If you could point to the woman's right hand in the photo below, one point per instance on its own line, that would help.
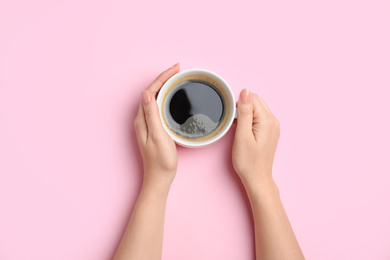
(255, 141)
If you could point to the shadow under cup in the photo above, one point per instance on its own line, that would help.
(197, 107)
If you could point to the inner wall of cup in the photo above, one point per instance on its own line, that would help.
(222, 127)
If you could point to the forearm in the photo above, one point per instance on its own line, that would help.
(274, 236)
(144, 233)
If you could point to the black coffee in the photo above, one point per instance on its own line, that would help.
(196, 108)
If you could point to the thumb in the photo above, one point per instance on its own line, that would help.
(152, 116)
(244, 113)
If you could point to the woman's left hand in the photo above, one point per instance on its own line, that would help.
(158, 150)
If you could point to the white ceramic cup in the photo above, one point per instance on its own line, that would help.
(226, 94)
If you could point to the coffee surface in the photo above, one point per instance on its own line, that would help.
(196, 108)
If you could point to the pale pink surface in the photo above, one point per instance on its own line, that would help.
(71, 73)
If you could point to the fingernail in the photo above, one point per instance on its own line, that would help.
(245, 96)
(146, 97)
(175, 65)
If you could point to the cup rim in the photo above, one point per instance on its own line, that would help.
(229, 121)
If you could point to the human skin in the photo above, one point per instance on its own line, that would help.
(144, 232)
(256, 138)
(254, 148)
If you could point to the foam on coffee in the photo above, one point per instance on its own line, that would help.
(195, 108)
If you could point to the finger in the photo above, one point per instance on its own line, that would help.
(235, 118)
(141, 130)
(262, 117)
(160, 80)
(260, 112)
(152, 115)
(265, 106)
(244, 113)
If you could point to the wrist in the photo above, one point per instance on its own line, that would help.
(153, 194)
(260, 185)
(151, 189)
(156, 184)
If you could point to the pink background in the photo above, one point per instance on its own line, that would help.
(71, 73)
